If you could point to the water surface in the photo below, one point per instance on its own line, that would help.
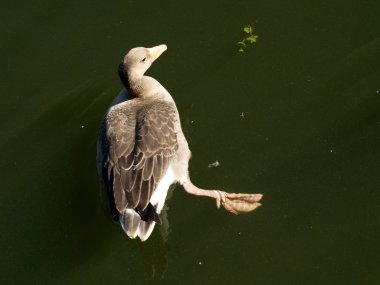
(309, 141)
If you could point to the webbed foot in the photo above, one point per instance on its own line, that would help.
(238, 203)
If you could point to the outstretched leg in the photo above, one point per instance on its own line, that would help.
(235, 203)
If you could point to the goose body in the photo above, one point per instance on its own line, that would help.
(142, 150)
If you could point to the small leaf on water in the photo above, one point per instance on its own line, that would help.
(248, 29)
(251, 39)
(241, 50)
(242, 43)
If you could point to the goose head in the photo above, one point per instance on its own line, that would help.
(136, 62)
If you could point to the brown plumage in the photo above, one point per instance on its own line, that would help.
(142, 150)
(141, 138)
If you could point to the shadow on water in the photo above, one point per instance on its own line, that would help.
(86, 210)
(65, 204)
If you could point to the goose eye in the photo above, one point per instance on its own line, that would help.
(143, 59)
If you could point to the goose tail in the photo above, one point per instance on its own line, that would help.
(136, 223)
(134, 226)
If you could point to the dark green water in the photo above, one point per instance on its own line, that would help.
(309, 141)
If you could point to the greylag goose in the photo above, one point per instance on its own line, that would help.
(142, 150)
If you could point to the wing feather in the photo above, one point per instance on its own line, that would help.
(141, 140)
(119, 193)
(148, 168)
(145, 194)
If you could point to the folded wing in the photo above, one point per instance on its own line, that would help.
(141, 141)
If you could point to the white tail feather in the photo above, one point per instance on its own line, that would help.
(131, 222)
(133, 226)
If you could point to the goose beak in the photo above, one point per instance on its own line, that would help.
(155, 52)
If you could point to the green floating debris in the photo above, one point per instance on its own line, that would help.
(250, 39)
(248, 29)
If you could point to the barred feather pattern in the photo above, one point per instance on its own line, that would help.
(141, 140)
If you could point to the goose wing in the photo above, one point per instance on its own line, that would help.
(141, 141)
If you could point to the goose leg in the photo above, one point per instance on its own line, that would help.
(232, 202)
